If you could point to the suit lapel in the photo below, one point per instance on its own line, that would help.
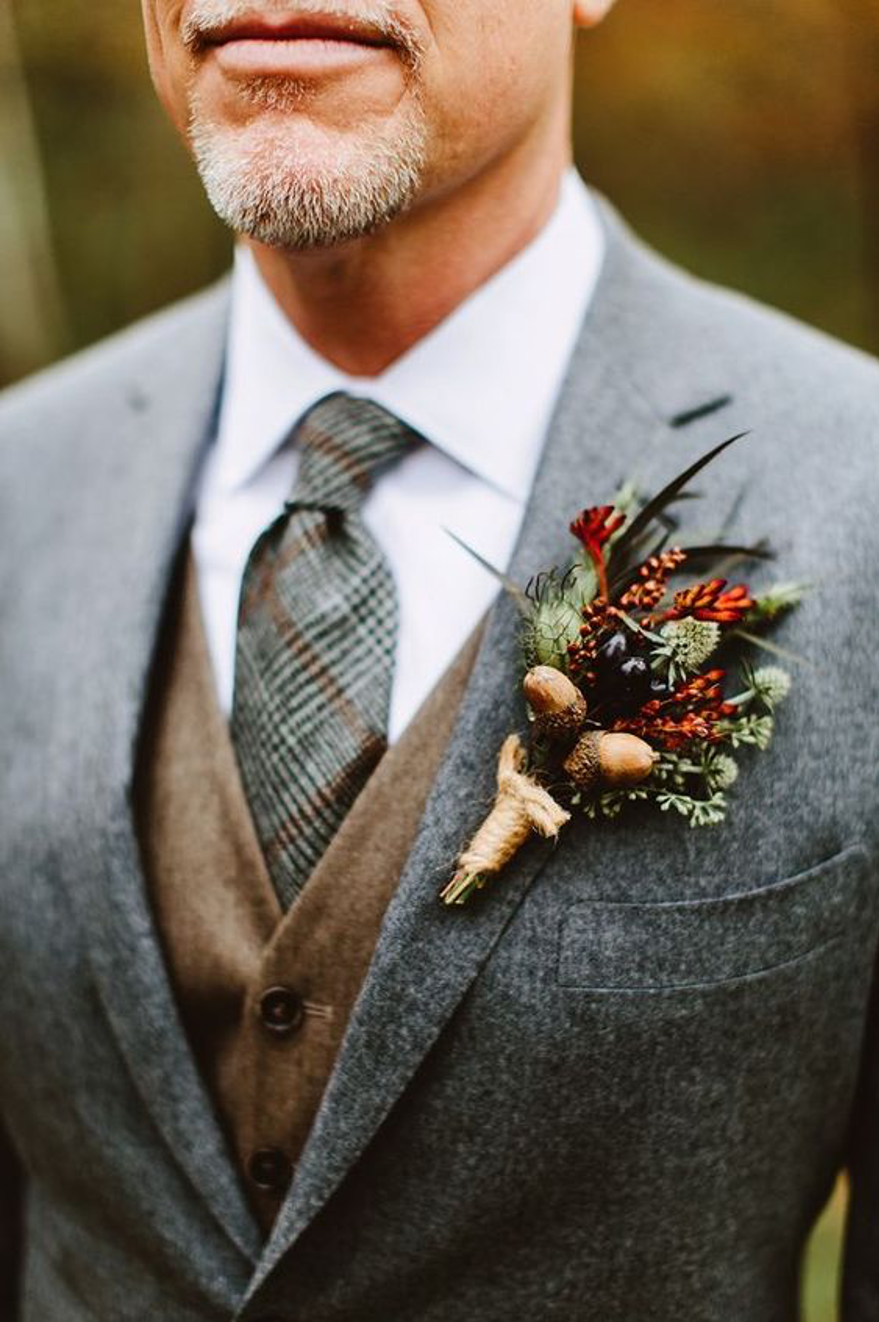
(427, 956)
(142, 450)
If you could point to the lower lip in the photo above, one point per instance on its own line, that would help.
(299, 57)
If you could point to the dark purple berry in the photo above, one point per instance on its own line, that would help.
(613, 652)
(634, 675)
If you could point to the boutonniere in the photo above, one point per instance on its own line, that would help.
(628, 696)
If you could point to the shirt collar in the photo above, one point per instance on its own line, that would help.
(481, 386)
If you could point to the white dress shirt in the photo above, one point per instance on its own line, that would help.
(480, 388)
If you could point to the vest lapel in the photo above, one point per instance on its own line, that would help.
(427, 956)
(143, 449)
(227, 942)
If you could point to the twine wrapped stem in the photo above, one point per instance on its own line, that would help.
(520, 807)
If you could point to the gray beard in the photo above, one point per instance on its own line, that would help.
(261, 187)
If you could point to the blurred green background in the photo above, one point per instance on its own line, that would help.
(740, 137)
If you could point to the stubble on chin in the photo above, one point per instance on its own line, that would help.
(282, 178)
(291, 185)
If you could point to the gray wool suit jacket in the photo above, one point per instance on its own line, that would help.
(620, 1088)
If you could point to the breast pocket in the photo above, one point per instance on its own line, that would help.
(611, 947)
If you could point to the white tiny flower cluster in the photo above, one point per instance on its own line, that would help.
(771, 684)
(691, 642)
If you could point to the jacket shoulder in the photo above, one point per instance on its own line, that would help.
(104, 426)
(125, 364)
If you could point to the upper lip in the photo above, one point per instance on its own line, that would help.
(289, 27)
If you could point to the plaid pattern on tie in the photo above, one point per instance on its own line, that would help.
(317, 628)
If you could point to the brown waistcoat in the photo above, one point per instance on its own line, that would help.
(266, 1059)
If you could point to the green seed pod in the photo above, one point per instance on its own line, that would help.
(554, 624)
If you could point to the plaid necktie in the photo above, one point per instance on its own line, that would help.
(317, 627)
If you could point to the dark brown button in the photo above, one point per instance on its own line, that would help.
(270, 1169)
(281, 1010)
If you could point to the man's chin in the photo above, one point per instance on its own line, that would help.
(300, 187)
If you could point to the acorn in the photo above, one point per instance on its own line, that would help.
(558, 705)
(625, 760)
(613, 761)
(583, 763)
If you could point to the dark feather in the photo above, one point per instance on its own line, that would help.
(627, 573)
(761, 551)
(667, 495)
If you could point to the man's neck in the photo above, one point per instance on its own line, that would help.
(363, 305)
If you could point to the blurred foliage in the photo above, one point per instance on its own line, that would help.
(741, 139)
(821, 1274)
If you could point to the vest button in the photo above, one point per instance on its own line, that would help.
(281, 1010)
(270, 1169)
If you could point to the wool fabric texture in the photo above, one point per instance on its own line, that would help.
(317, 630)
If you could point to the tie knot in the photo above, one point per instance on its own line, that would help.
(345, 443)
